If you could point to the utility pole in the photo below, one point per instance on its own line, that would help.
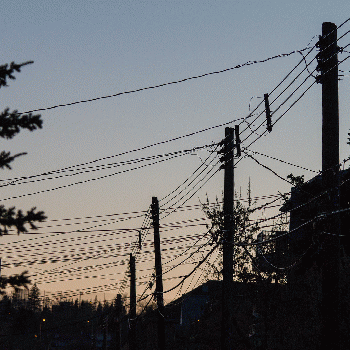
(159, 275)
(227, 259)
(328, 66)
(132, 311)
(105, 332)
(118, 316)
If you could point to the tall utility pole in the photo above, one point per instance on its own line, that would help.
(328, 66)
(227, 259)
(105, 332)
(132, 311)
(159, 275)
(118, 316)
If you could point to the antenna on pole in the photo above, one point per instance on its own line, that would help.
(249, 194)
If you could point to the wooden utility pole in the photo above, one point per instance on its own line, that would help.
(118, 316)
(159, 275)
(227, 259)
(328, 66)
(132, 311)
(105, 332)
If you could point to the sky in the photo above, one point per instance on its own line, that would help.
(83, 50)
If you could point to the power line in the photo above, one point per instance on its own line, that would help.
(278, 85)
(183, 183)
(65, 253)
(83, 256)
(192, 271)
(266, 167)
(265, 131)
(166, 84)
(203, 184)
(64, 186)
(52, 246)
(89, 180)
(79, 171)
(205, 168)
(288, 96)
(320, 216)
(196, 267)
(142, 212)
(137, 149)
(282, 161)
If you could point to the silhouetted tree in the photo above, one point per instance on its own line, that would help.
(34, 298)
(11, 123)
(244, 233)
(15, 281)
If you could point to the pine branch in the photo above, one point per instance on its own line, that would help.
(10, 218)
(14, 281)
(6, 158)
(6, 71)
(12, 122)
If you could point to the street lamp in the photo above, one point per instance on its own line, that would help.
(41, 322)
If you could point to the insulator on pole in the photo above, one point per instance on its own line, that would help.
(268, 112)
(238, 141)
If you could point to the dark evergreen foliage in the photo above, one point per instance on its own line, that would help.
(15, 281)
(6, 71)
(244, 232)
(71, 325)
(6, 158)
(34, 298)
(12, 218)
(11, 124)
(296, 181)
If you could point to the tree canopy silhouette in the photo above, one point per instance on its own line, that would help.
(243, 233)
(11, 123)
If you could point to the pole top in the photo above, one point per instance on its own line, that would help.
(329, 26)
(228, 131)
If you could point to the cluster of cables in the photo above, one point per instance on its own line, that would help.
(287, 93)
(283, 97)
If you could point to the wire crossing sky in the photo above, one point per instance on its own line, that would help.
(160, 137)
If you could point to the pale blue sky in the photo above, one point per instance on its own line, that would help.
(87, 49)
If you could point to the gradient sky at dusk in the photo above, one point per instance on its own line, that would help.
(88, 49)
